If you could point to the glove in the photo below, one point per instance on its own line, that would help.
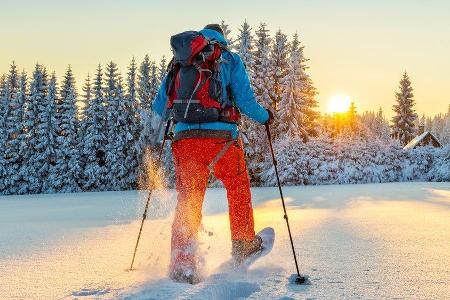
(270, 120)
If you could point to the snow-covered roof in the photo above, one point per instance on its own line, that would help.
(415, 141)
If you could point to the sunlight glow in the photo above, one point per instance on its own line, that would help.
(338, 104)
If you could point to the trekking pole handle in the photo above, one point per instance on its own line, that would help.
(168, 126)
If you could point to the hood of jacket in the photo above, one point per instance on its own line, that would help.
(214, 35)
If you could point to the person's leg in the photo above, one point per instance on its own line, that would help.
(191, 181)
(231, 169)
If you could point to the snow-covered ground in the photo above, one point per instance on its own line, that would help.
(353, 241)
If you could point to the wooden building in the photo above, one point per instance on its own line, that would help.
(425, 138)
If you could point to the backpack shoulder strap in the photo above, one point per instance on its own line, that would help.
(172, 69)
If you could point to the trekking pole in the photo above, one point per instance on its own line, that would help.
(144, 216)
(299, 279)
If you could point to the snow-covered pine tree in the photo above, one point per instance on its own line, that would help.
(445, 139)
(131, 84)
(290, 115)
(244, 47)
(162, 69)
(403, 121)
(429, 124)
(2, 84)
(117, 132)
(112, 94)
(156, 124)
(382, 129)
(355, 126)
(148, 85)
(85, 99)
(12, 117)
(3, 104)
(279, 55)
(326, 125)
(83, 103)
(352, 119)
(255, 133)
(437, 127)
(35, 119)
(155, 81)
(47, 144)
(262, 66)
(422, 120)
(279, 63)
(132, 126)
(156, 77)
(297, 114)
(12, 83)
(227, 34)
(309, 93)
(22, 98)
(145, 89)
(368, 120)
(2, 134)
(162, 72)
(67, 168)
(95, 139)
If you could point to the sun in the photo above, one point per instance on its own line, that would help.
(338, 104)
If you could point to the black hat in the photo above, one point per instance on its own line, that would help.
(215, 27)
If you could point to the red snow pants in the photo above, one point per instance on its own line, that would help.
(192, 157)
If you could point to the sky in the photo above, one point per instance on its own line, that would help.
(358, 49)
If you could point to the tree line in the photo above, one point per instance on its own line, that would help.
(54, 139)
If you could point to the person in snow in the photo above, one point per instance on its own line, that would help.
(208, 143)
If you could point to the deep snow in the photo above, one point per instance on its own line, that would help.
(354, 241)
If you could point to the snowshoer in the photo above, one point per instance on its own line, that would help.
(205, 90)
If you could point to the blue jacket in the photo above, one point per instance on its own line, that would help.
(232, 73)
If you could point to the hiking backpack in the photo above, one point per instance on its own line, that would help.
(194, 87)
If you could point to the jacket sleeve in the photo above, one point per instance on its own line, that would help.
(160, 102)
(243, 93)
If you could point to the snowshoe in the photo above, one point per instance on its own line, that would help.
(244, 255)
(182, 277)
(243, 249)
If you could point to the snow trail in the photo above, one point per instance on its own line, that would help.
(354, 241)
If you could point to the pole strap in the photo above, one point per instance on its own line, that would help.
(219, 155)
